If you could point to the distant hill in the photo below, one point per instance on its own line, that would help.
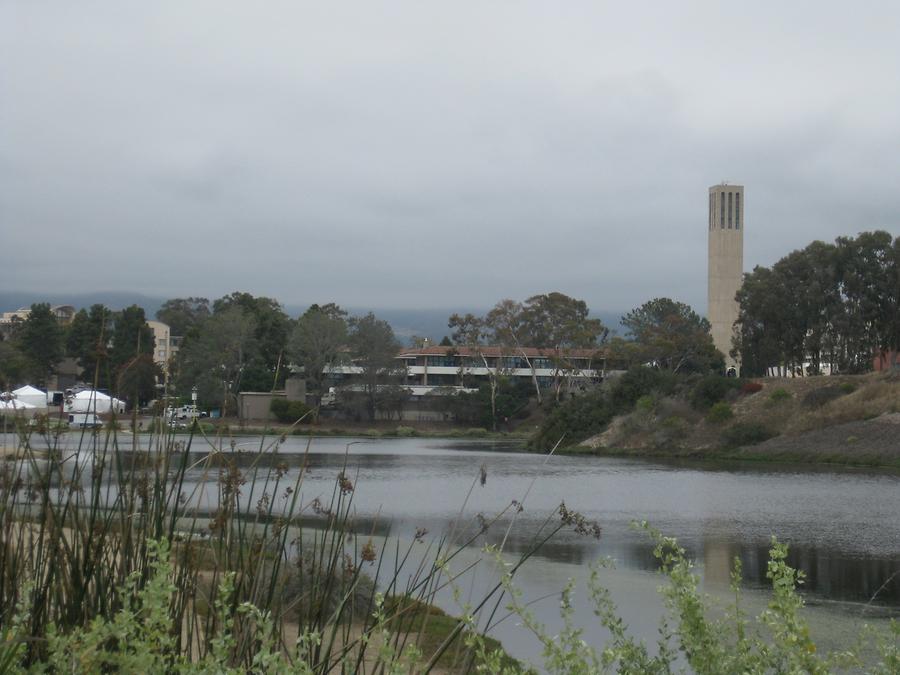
(431, 323)
(12, 300)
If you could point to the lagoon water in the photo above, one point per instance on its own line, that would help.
(843, 526)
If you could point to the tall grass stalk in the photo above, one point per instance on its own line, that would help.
(79, 513)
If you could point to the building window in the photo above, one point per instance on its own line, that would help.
(737, 210)
(730, 221)
(712, 210)
(721, 196)
(442, 361)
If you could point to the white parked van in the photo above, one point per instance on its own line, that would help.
(83, 420)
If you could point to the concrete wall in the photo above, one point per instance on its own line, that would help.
(295, 389)
(256, 405)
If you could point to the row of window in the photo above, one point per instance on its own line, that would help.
(507, 362)
(733, 213)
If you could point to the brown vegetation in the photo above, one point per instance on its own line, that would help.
(852, 419)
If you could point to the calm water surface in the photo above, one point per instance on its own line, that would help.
(843, 526)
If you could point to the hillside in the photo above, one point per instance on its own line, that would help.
(844, 419)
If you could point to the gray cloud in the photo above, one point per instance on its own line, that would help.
(421, 155)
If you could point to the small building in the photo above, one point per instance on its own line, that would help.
(257, 405)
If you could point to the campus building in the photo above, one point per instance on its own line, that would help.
(427, 368)
(726, 264)
(166, 345)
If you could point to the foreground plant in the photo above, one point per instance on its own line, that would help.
(776, 641)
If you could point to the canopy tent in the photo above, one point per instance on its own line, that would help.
(32, 395)
(16, 405)
(94, 402)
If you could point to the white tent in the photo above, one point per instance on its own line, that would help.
(94, 402)
(32, 395)
(15, 405)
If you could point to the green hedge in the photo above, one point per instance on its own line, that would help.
(288, 411)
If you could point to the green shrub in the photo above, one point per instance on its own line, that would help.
(779, 396)
(638, 382)
(746, 433)
(847, 387)
(573, 421)
(709, 390)
(645, 405)
(405, 432)
(286, 411)
(719, 413)
(670, 430)
(816, 398)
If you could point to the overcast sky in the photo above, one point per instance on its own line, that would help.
(422, 154)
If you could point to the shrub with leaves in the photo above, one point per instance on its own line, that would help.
(779, 395)
(746, 433)
(719, 413)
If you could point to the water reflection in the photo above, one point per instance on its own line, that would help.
(841, 526)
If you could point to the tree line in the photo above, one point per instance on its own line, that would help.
(114, 350)
(827, 305)
(242, 342)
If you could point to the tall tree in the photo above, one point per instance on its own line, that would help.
(374, 351)
(317, 343)
(673, 336)
(509, 326)
(473, 333)
(183, 315)
(215, 360)
(13, 365)
(835, 304)
(40, 340)
(131, 346)
(264, 370)
(87, 340)
(561, 324)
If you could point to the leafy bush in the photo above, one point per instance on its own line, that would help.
(746, 433)
(286, 411)
(847, 387)
(709, 390)
(573, 421)
(816, 398)
(779, 396)
(405, 432)
(645, 405)
(670, 430)
(475, 408)
(776, 641)
(719, 413)
(638, 382)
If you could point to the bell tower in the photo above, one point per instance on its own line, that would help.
(726, 264)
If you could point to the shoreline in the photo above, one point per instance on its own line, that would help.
(746, 455)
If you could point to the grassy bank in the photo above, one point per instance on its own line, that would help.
(846, 420)
(750, 454)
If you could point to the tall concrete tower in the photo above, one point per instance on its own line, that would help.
(726, 263)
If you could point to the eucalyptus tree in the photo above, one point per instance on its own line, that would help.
(373, 349)
(216, 359)
(264, 369)
(183, 315)
(827, 303)
(672, 336)
(561, 326)
(474, 334)
(318, 343)
(87, 341)
(40, 341)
